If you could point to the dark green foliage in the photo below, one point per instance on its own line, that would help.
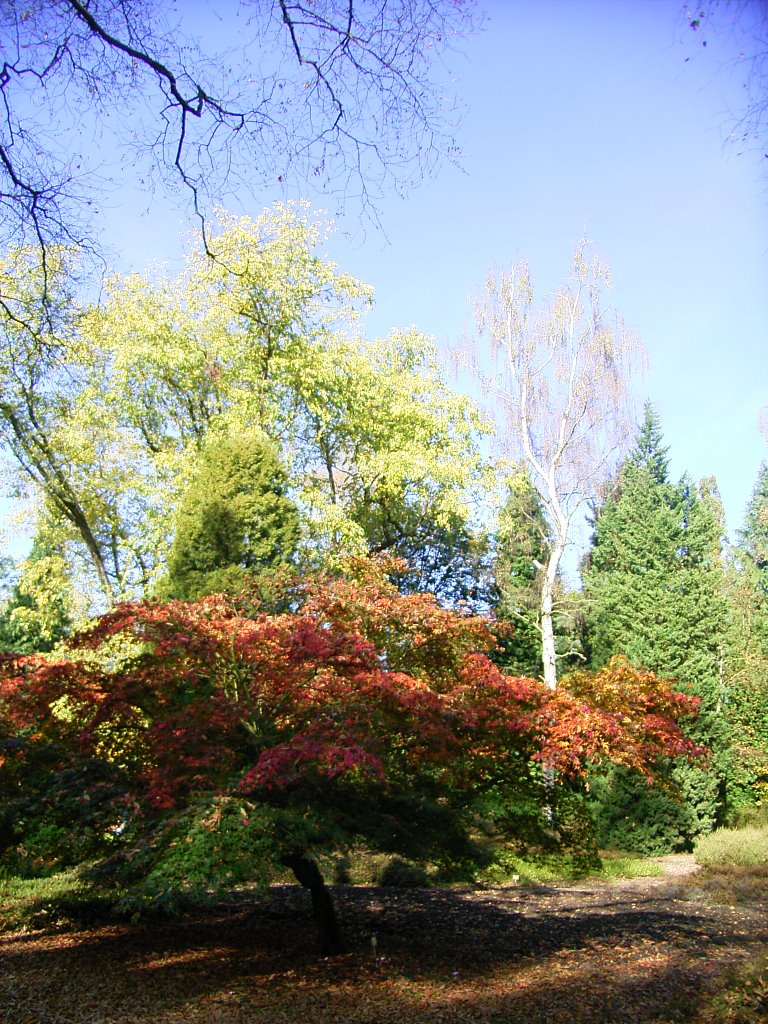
(746, 655)
(754, 536)
(234, 520)
(633, 816)
(403, 874)
(576, 830)
(654, 584)
(654, 578)
(445, 557)
(752, 561)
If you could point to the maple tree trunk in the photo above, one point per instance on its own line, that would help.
(323, 911)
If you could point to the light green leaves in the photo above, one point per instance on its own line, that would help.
(260, 333)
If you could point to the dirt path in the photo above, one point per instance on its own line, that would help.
(644, 951)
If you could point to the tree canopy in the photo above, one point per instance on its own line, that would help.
(655, 592)
(106, 409)
(559, 376)
(234, 519)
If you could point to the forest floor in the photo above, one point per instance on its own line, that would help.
(610, 952)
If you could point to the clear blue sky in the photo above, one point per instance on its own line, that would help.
(581, 117)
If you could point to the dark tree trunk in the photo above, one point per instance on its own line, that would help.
(308, 875)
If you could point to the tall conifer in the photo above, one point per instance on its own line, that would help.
(654, 582)
(747, 648)
(521, 547)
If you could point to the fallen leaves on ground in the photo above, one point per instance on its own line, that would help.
(649, 952)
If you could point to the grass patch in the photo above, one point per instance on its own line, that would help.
(546, 869)
(629, 866)
(32, 902)
(65, 900)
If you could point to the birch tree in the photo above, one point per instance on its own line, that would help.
(559, 379)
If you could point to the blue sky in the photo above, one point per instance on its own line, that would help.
(579, 117)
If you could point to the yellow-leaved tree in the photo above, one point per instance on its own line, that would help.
(109, 410)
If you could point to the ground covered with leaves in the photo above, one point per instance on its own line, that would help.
(629, 952)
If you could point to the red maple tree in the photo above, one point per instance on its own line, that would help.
(188, 740)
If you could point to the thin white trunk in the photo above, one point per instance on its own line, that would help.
(549, 656)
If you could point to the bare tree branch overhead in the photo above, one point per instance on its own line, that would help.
(339, 92)
(741, 25)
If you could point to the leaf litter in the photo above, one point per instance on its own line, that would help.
(649, 951)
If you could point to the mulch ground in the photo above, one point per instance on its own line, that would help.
(649, 950)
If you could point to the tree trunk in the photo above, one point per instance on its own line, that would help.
(549, 658)
(308, 875)
(548, 653)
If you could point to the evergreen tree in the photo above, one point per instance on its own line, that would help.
(234, 519)
(649, 453)
(521, 548)
(747, 649)
(654, 582)
(654, 575)
(753, 538)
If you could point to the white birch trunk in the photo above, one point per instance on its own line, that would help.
(549, 655)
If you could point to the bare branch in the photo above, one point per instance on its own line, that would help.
(336, 91)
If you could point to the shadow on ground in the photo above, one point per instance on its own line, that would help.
(509, 955)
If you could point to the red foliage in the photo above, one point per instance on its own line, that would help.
(361, 686)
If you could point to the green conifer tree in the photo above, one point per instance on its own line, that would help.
(234, 519)
(521, 550)
(654, 582)
(520, 553)
(649, 452)
(747, 651)
(753, 538)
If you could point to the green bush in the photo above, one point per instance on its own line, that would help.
(363, 867)
(403, 874)
(749, 816)
(632, 816)
(576, 832)
(743, 848)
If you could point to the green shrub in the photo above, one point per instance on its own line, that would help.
(576, 832)
(632, 816)
(744, 848)
(749, 816)
(403, 874)
(363, 867)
